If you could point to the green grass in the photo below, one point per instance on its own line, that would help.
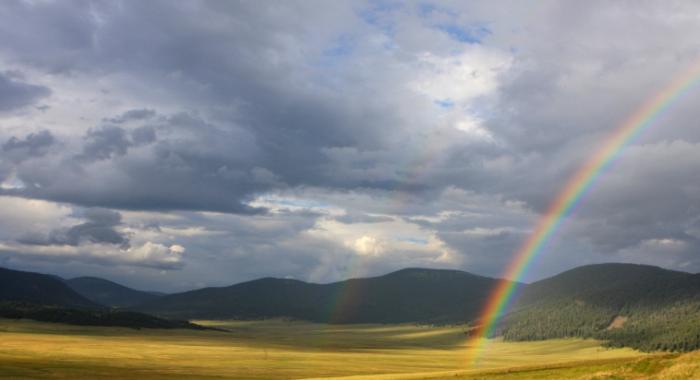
(280, 349)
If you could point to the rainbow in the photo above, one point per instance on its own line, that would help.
(567, 199)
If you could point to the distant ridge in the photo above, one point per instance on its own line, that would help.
(109, 293)
(408, 295)
(43, 297)
(612, 284)
(19, 286)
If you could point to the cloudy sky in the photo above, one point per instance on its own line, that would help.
(172, 145)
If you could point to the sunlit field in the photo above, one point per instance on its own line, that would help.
(281, 349)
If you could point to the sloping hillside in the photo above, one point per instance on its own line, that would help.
(610, 285)
(409, 295)
(653, 308)
(108, 293)
(39, 289)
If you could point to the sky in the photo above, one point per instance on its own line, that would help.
(176, 145)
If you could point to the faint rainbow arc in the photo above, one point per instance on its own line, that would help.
(567, 200)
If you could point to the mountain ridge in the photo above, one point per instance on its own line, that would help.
(406, 295)
(108, 293)
(640, 306)
(38, 288)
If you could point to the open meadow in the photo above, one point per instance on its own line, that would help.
(282, 350)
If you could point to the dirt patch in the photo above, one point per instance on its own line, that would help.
(618, 322)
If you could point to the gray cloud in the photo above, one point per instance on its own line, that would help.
(363, 218)
(104, 143)
(16, 93)
(143, 135)
(107, 141)
(131, 115)
(99, 228)
(33, 145)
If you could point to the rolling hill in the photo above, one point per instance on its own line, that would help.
(108, 293)
(611, 285)
(19, 286)
(47, 298)
(409, 295)
(641, 306)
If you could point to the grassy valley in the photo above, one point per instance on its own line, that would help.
(599, 321)
(273, 349)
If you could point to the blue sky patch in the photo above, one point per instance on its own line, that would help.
(415, 241)
(376, 15)
(470, 35)
(445, 103)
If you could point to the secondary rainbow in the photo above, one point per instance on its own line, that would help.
(567, 200)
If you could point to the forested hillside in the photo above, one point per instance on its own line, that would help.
(644, 307)
(409, 295)
(88, 317)
(108, 293)
(39, 288)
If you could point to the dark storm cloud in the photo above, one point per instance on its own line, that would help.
(280, 129)
(111, 140)
(99, 228)
(33, 145)
(15, 93)
(52, 35)
(131, 115)
(143, 135)
(104, 143)
(206, 169)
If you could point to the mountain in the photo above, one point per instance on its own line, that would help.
(108, 293)
(640, 306)
(48, 298)
(610, 285)
(38, 288)
(409, 295)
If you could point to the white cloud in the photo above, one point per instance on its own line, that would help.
(367, 245)
(149, 255)
(155, 254)
(473, 127)
(459, 79)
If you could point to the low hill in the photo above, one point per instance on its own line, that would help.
(108, 293)
(641, 306)
(409, 295)
(39, 288)
(610, 285)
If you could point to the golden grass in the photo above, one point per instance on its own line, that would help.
(281, 350)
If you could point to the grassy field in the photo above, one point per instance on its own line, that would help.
(280, 349)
